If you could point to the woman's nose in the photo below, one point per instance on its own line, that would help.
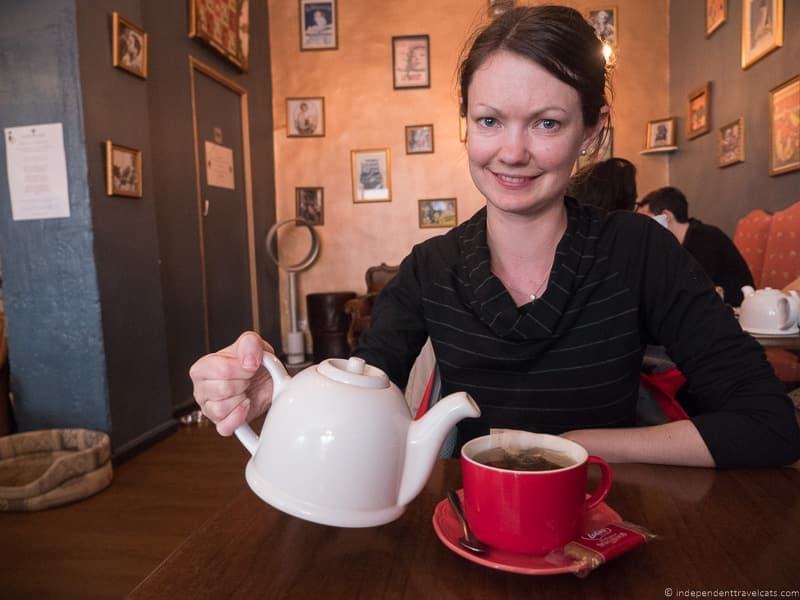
(514, 149)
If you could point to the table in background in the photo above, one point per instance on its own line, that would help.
(788, 342)
(720, 530)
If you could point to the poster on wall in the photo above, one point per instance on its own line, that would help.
(372, 178)
(784, 127)
(318, 26)
(224, 25)
(411, 61)
(762, 29)
(219, 166)
(37, 172)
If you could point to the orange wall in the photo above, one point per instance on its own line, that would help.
(363, 110)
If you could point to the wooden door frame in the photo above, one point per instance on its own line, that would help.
(197, 65)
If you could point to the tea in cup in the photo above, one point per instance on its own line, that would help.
(526, 492)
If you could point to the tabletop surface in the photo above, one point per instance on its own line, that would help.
(718, 530)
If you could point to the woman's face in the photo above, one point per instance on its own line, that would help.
(525, 131)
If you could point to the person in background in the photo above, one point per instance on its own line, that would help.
(714, 250)
(609, 184)
(540, 308)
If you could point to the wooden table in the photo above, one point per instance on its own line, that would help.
(789, 342)
(720, 530)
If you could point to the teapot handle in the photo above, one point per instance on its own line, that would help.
(280, 378)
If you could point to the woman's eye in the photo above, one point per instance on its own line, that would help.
(487, 121)
(547, 124)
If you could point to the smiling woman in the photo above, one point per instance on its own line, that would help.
(539, 308)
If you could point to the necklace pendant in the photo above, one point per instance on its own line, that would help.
(533, 297)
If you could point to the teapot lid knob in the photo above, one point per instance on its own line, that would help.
(353, 371)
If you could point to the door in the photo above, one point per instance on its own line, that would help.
(224, 200)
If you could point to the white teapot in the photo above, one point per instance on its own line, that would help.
(769, 311)
(339, 447)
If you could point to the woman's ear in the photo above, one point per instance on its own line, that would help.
(591, 134)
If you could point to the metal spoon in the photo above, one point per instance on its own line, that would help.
(469, 541)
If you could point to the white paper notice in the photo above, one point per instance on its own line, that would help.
(37, 172)
(219, 166)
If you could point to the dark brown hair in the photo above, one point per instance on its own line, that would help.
(609, 184)
(557, 38)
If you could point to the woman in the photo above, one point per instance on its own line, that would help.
(540, 308)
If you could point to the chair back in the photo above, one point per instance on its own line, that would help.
(378, 277)
(782, 254)
(751, 240)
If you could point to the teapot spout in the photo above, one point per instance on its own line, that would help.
(425, 438)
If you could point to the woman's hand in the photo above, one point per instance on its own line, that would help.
(231, 386)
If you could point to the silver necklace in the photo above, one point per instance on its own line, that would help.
(532, 295)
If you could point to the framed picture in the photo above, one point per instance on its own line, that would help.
(731, 143)
(128, 46)
(224, 25)
(310, 204)
(371, 173)
(605, 23)
(441, 212)
(318, 25)
(605, 151)
(411, 61)
(660, 135)
(419, 139)
(784, 127)
(462, 128)
(762, 29)
(305, 117)
(716, 15)
(123, 171)
(698, 116)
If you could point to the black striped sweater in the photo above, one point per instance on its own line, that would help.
(571, 359)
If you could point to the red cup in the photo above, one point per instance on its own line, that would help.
(528, 512)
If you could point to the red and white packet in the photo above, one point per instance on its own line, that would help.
(600, 545)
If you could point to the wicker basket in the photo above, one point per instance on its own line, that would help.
(47, 468)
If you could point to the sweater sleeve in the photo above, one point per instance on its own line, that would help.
(742, 412)
(397, 328)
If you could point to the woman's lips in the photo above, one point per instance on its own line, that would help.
(513, 182)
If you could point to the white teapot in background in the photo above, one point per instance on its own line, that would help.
(339, 447)
(769, 311)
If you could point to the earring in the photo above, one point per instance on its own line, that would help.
(583, 152)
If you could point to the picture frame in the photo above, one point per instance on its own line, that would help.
(371, 174)
(731, 143)
(698, 112)
(128, 46)
(305, 117)
(437, 213)
(784, 127)
(225, 26)
(716, 15)
(123, 170)
(419, 139)
(660, 135)
(762, 29)
(319, 25)
(411, 61)
(605, 22)
(605, 151)
(310, 204)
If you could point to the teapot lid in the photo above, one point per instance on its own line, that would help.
(353, 371)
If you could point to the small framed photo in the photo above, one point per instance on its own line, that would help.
(318, 25)
(604, 152)
(305, 117)
(762, 29)
(411, 61)
(660, 135)
(441, 212)
(605, 23)
(698, 115)
(224, 25)
(716, 15)
(784, 127)
(129, 46)
(310, 204)
(123, 171)
(731, 143)
(371, 173)
(419, 139)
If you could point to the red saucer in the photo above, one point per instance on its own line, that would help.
(448, 529)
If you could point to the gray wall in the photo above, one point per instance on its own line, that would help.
(50, 283)
(722, 196)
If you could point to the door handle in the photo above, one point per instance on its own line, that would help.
(205, 208)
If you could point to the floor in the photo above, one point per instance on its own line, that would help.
(103, 546)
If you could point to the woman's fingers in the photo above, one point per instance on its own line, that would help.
(237, 416)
